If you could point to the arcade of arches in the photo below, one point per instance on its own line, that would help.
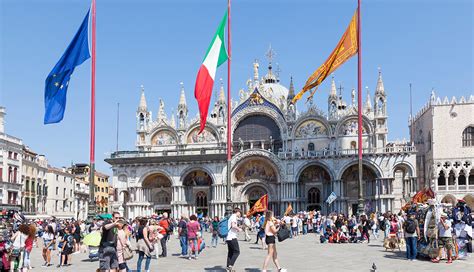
(157, 194)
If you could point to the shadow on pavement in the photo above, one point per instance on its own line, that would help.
(252, 269)
(215, 268)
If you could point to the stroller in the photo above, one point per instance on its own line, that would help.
(93, 253)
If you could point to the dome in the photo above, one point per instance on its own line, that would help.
(274, 92)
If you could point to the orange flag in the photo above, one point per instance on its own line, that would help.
(260, 206)
(288, 209)
(345, 49)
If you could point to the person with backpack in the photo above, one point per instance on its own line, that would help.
(412, 234)
(233, 250)
(183, 235)
(66, 250)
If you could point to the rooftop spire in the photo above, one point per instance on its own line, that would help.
(380, 88)
(182, 97)
(292, 88)
(221, 98)
(368, 104)
(142, 105)
(333, 92)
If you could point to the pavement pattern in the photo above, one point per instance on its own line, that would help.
(303, 253)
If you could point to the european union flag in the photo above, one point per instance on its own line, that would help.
(58, 79)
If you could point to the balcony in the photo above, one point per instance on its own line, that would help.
(179, 154)
(397, 150)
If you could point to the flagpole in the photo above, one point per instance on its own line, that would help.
(229, 113)
(360, 206)
(92, 203)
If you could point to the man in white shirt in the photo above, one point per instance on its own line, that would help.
(445, 238)
(246, 227)
(233, 250)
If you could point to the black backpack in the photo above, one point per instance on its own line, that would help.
(410, 226)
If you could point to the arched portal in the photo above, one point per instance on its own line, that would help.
(257, 131)
(350, 186)
(157, 191)
(197, 188)
(256, 168)
(313, 180)
(254, 193)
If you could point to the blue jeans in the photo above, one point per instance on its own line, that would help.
(141, 255)
(183, 242)
(214, 240)
(411, 247)
(193, 242)
(305, 229)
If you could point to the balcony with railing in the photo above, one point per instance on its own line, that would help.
(275, 147)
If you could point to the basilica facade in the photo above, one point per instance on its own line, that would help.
(297, 156)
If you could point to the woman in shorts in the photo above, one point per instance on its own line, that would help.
(48, 245)
(270, 231)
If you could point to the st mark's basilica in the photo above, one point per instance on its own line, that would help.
(297, 154)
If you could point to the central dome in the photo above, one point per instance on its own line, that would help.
(274, 92)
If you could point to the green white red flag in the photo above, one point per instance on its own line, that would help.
(215, 56)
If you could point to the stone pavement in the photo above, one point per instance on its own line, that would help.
(303, 253)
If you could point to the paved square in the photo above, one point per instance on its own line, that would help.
(300, 254)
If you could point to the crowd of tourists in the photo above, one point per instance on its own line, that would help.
(433, 230)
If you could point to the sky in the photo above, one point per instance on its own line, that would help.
(428, 43)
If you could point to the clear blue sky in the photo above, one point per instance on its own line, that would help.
(161, 43)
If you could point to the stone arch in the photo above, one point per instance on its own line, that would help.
(156, 180)
(377, 170)
(462, 177)
(321, 164)
(261, 110)
(449, 198)
(469, 198)
(189, 171)
(367, 125)
(441, 179)
(255, 168)
(279, 168)
(163, 136)
(153, 172)
(406, 166)
(210, 134)
(255, 184)
(327, 128)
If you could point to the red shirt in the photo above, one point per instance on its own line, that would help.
(165, 225)
(28, 244)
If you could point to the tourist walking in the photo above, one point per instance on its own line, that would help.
(48, 245)
(67, 247)
(270, 231)
(374, 226)
(411, 233)
(122, 243)
(18, 247)
(183, 235)
(193, 227)
(246, 226)
(233, 250)
(166, 230)
(214, 230)
(144, 246)
(108, 260)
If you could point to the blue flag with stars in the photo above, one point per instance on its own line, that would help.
(58, 79)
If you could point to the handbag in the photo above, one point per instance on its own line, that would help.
(283, 234)
(127, 251)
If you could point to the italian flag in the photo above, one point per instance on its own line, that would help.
(215, 56)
